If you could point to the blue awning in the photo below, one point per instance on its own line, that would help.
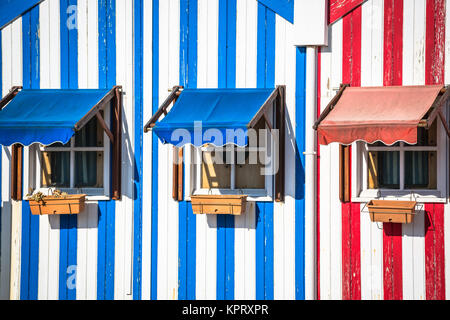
(211, 116)
(46, 116)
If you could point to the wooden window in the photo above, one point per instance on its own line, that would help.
(405, 167)
(80, 166)
(235, 170)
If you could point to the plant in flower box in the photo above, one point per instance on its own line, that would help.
(58, 203)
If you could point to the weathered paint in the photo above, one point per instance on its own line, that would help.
(393, 69)
(340, 8)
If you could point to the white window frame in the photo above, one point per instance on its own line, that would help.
(360, 156)
(193, 175)
(93, 194)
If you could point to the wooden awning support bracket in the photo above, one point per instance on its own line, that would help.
(175, 93)
(437, 107)
(444, 122)
(331, 105)
(101, 105)
(11, 94)
(105, 127)
(264, 108)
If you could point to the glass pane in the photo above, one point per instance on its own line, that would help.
(420, 170)
(248, 170)
(388, 170)
(55, 169)
(89, 169)
(90, 136)
(215, 174)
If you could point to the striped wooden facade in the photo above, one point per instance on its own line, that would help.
(382, 43)
(147, 246)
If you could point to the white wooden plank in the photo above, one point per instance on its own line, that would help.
(54, 82)
(284, 214)
(335, 204)
(83, 74)
(124, 208)
(173, 216)
(413, 241)
(279, 209)
(325, 174)
(168, 208)
(11, 212)
(289, 220)
(92, 83)
(16, 77)
(207, 73)
(163, 178)
(371, 75)
(147, 152)
(246, 52)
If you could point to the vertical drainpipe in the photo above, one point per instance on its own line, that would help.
(311, 175)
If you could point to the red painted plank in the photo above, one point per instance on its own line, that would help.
(435, 42)
(351, 226)
(393, 70)
(340, 8)
(434, 252)
(434, 223)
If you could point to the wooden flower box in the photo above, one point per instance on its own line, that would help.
(392, 211)
(224, 204)
(50, 205)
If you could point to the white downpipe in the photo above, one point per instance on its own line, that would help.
(310, 175)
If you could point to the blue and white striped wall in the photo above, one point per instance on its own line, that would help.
(148, 246)
(260, 255)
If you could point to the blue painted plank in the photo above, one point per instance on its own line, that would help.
(187, 220)
(300, 106)
(106, 245)
(107, 209)
(227, 79)
(264, 211)
(284, 8)
(30, 224)
(138, 148)
(155, 107)
(12, 9)
(69, 80)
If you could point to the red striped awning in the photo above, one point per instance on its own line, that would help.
(386, 114)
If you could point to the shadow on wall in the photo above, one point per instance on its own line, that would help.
(291, 148)
(294, 189)
(415, 229)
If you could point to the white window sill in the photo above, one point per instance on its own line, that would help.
(252, 195)
(421, 196)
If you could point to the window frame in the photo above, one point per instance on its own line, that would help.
(193, 175)
(361, 192)
(93, 194)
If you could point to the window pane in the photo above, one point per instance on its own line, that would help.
(215, 174)
(89, 169)
(388, 170)
(248, 170)
(90, 136)
(55, 169)
(420, 170)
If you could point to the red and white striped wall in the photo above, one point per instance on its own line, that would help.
(382, 42)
